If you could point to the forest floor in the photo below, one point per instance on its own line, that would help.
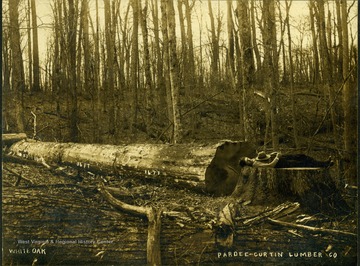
(69, 205)
(45, 205)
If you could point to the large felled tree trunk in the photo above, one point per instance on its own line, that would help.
(180, 163)
(212, 168)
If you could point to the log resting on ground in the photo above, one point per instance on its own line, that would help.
(184, 164)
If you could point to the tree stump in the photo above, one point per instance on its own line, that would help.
(314, 188)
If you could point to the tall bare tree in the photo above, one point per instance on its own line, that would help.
(215, 49)
(326, 65)
(247, 62)
(190, 69)
(30, 62)
(71, 42)
(271, 72)
(147, 66)
(349, 101)
(160, 87)
(174, 71)
(166, 60)
(134, 63)
(35, 50)
(291, 73)
(231, 38)
(17, 68)
(109, 71)
(254, 36)
(315, 50)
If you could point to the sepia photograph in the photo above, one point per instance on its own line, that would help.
(179, 132)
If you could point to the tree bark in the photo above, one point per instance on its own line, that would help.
(271, 75)
(314, 188)
(214, 49)
(71, 35)
(154, 225)
(182, 163)
(326, 65)
(134, 65)
(247, 63)
(254, 40)
(291, 73)
(109, 38)
(316, 67)
(166, 61)
(190, 69)
(160, 86)
(147, 66)
(17, 68)
(30, 63)
(35, 50)
(349, 103)
(174, 72)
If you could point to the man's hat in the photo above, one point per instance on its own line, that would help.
(262, 156)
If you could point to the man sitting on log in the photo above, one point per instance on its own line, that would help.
(277, 160)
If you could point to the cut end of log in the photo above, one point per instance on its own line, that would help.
(222, 174)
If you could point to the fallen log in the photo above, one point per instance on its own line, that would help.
(185, 164)
(10, 138)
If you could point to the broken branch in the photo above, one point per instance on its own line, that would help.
(311, 229)
(154, 227)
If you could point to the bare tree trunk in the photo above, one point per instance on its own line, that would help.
(214, 50)
(183, 50)
(147, 66)
(174, 72)
(96, 104)
(6, 73)
(231, 39)
(74, 130)
(254, 41)
(190, 69)
(30, 63)
(247, 63)
(326, 65)
(316, 69)
(164, 28)
(160, 86)
(134, 64)
(271, 67)
(293, 108)
(339, 58)
(36, 66)
(349, 103)
(17, 68)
